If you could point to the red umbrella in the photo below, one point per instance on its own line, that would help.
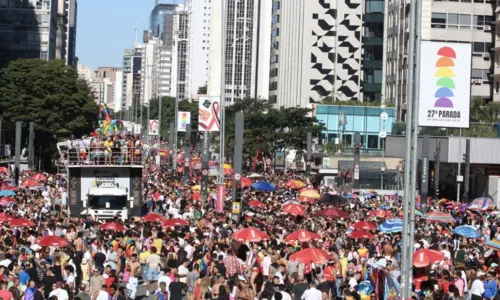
(246, 182)
(52, 241)
(250, 234)
(424, 257)
(174, 222)
(39, 177)
(364, 226)
(360, 234)
(153, 218)
(5, 203)
(112, 226)
(306, 189)
(302, 236)
(29, 183)
(8, 199)
(293, 184)
(317, 256)
(4, 170)
(21, 223)
(5, 217)
(196, 196)
(255, 203)
(306, 199)
(380, 213)
(294, 209)
(228, 171)
(332, 212)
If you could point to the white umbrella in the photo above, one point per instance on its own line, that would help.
(255, 175)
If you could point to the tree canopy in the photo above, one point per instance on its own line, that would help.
(50, 94)
(265, 125)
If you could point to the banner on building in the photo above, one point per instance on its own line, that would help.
(137, 128)
(279, 160)
(183, 118)
(445, 80)
(153, 127)
(209, 114)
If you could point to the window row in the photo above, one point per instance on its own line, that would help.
(462, 21)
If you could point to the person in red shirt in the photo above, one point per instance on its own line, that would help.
(4, 292)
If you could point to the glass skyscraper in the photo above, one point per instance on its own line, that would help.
(373, 50)
(157, 19)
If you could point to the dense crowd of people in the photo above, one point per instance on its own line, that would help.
(291, 242)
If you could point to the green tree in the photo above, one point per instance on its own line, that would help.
(50, 94)
(265, 125)
(202, 90)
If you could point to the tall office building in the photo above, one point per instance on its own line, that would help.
(66, 31)
(326, 50)
(451, 21)
(180, 54)
(247, 48)
(496, 77)
(199, 14)
(161, 15)
(27, 30)
(131, 84)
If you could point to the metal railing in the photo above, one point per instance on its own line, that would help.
(103, 156)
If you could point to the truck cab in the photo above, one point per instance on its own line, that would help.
(108, 200)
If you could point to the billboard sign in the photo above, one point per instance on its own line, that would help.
(209, 114)
(183, 118)
(153, 127)
(445, 80)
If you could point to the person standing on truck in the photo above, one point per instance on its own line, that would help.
(108, 145)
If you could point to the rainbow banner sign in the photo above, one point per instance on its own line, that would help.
(183, 118)
(445, 81)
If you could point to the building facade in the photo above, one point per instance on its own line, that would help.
(180, 54)
(450, 21)
(157, 20)
(247, 30)
(326, 50)
(28, 29)
(199, 14)
(496, 77)
(66, 31)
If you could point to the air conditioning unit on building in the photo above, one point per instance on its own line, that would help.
(476, 81)
(486, 56)
(487, 28)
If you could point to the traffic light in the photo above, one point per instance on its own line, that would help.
(466, 157)
(239, 195)
(356, 146)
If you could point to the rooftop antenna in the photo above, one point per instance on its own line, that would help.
(156, 3)
(136, 25)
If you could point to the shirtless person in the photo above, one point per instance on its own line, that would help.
(78, 242)
(135, 271)
(244, 290)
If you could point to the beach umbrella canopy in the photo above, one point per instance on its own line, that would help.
(310, 194)
(360, 234)
(295, 184)
(328, 199)
(112, 226)
(467, 231)
(302, 236)
(391, 226)
(332, 212)
(363, 225)
(306, 199)
(294, 209)
(250, 234)
(424, 257)
(9, 188)
(7, 193)
(151, 217)
(21, 223)
(255, 203)
(30, 183)
(4, 217)
(52, 241)
(39, 177)
(380, 213)
(317, 256)
(255, 175)
(437, 216)
(264, 186)
(174, 222)
(246, 182)
(4, 170)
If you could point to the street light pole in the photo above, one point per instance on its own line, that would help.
(222, 93)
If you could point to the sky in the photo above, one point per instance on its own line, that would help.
(107, 27)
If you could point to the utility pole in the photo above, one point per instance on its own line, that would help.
(465, 198)
(309, 153)
(437, 159)
(204, 165)
(17, 153)
(171, 147)
(237, 163)
(424, 173)
(31, 147)
(357, 146)
(187, 153)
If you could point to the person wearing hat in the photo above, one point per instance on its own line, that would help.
(477, 288)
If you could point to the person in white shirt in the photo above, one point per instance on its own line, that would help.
(59, 292)
(477, 287)
(165, 278)
(279, 274)
(312, 293)
(183, 271)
